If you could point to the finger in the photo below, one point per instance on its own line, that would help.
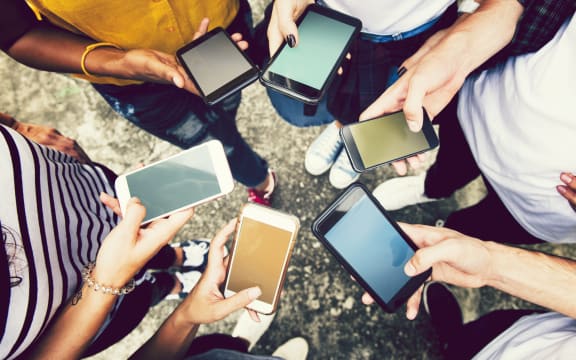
(202, 28)
(286, 14)
(414, 102)
(238, 301)
(425, 258)
(414, 162)
(413, 304)
(423, 235)
(135, 213)
(367, 299)
(254, 315)
(390, 101)
(568, 179)
(400, 167)
(111, 202)
(216, 252)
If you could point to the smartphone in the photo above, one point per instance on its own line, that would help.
(260, 254)
(305, 71)
(192, 177)
(217, 66)
(385, 139)
(369, 245)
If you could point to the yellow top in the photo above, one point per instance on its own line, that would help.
(163, 25)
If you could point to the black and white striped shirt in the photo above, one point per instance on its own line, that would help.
(49, 203)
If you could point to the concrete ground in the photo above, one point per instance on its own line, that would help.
(319, 302)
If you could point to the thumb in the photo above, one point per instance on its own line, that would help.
(427, 257)
(237, 301)
(135, 213)
(386, 103)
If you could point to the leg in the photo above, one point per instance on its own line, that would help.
(454, 166)
(497, 224)
(475, 335)
(182, 119)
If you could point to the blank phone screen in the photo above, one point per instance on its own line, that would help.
(259, 256)
(215, 62)
(386, 139)
(175, 183)
(371, 245)
(322, 40)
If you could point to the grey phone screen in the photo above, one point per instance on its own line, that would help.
(322, 40)
(371, 245)
(215, 62)
(175, 183)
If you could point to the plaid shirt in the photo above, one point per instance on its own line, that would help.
(539, 23)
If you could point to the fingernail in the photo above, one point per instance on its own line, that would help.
(411, 314)
(254, 292)
(401, 71)
(291, 40)
(135, 200)
(409, 269)
(567, 178)
(413, 125)
(561, 189)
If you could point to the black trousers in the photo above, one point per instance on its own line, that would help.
(454, 168)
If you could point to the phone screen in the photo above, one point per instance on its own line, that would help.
(387, 138)
(364, 237)
(215, 62)
(322, 40)
(259, 257)
(182, 180)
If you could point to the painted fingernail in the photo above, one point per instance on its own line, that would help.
(567, 178)
(291, 40)
(401, 71)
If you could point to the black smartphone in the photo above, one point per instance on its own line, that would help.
(304, 72)
(370, 246)
(385, 139)
(217, 66)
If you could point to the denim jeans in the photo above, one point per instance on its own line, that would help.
(183, 119)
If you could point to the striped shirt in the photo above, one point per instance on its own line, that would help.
(49, 204)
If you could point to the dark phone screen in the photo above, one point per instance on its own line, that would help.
(387, 138)
(215, 62)
(175, 183)
(322, 40)
(370, 244)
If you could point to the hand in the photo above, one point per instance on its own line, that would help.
(568, 191)
(454, 258)
(282, 23)
(206, 304)
(128, 247)
(52, 138)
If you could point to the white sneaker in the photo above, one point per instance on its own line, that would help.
(250, 330)
(293, 349)
(404, 191)
(188, 281)
(342, 174)
(322, 153)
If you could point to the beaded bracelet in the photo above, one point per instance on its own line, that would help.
(88, 49)
(86, 276)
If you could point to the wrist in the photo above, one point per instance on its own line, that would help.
(104, 61)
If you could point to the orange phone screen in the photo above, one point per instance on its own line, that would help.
(259, 256)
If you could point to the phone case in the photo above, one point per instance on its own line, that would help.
(300, 91)
(289, 251)
(407, 290)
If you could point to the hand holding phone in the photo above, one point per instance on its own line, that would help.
(217, 66)
(260, 254)
(305, 71)
(370, 246)
(388, 138)
(192, 177)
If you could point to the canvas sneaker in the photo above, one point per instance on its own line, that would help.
(293, 349)
(403, 191)
(342, 174)
(250, 330)
(322, 153)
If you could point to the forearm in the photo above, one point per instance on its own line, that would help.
(171, 341)
(482, 34)
(542, 279)
(74, 328)
(49, 48)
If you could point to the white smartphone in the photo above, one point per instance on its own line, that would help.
(192, 177)
(260, 254)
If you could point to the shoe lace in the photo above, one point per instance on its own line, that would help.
(328, 142)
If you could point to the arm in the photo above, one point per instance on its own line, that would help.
(542, 279)
(205, 304)
(124, 251)
(47, 136)
(438, 70)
